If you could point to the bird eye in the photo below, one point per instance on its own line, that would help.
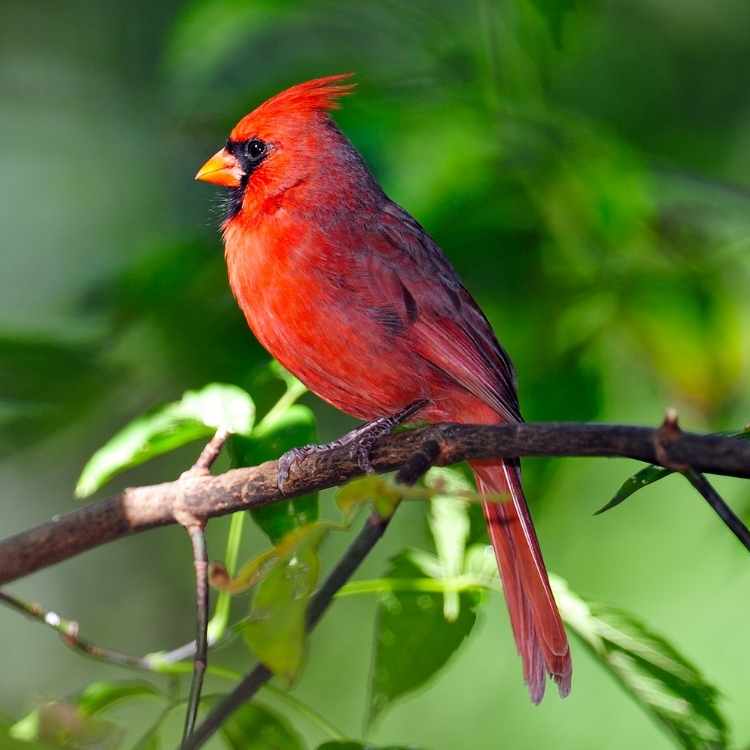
(255, 149)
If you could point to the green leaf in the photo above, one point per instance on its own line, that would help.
(255, 727)
(7, 742)
(369, 489)
(657, 676)
(150, 740)
(27, 728)
(480, 564)
(413, 640)
(449, 523)
(275, 628)
(99, 696)
(258, 568)
(638, 481)
(649, 668)
(70, 723)
(64, 725)
(270, 439)
(197, 415)
(651, 474)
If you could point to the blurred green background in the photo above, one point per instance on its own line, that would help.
(583, 164)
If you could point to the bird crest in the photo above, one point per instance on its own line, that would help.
(318, 95)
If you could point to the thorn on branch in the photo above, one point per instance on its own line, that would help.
(668, 433)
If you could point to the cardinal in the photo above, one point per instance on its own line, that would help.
(345, 289)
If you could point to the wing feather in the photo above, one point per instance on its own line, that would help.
(441, 320)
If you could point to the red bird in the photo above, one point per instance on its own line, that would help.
(350, 294)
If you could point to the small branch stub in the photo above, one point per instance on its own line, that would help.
(210, 453)
(666, 435)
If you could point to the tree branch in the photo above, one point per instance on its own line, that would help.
(138, 509)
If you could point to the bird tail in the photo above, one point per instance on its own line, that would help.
(536, 623)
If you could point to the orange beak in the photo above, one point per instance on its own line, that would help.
(221, 169)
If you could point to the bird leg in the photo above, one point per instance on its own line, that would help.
(361, 439)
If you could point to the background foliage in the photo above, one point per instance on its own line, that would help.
(584, 165)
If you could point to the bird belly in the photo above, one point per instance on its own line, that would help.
(363, 375)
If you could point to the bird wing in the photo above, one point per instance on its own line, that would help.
(415, 292)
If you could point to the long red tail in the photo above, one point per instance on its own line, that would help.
(537, 627)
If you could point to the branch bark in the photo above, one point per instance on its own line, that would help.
(141, 508)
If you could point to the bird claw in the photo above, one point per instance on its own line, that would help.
(365, 437)
(362, 440)
(287, 461)
(361, 452)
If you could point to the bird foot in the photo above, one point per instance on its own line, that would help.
(361, 439)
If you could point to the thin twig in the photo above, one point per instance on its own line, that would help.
(141, 508)
(181, 653)
(69, 631)
(714, 499)
(367, 538)
(200, 660)
(195, 528)
(158, 663)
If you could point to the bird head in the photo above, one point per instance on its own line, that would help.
(278, 145)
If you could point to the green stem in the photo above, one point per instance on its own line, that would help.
(416, 585)
(220, 620)
(156, 663)
(293, 392)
